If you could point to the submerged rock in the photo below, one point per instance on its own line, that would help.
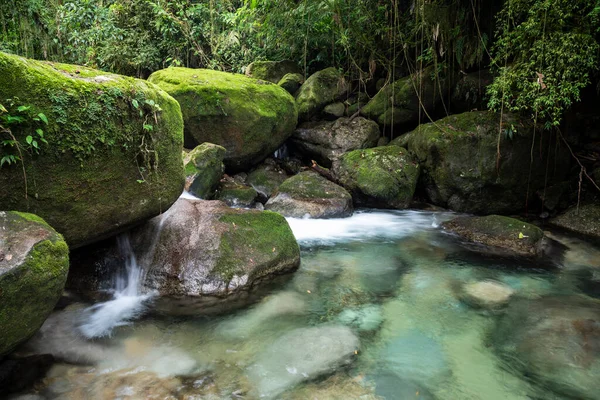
(309, 194)
(325, 141)
(203, 169)
(34, 262)
(113, 157)
(555, 341)
(366, 319)
(499, 232)
(379, 177)
(302, 355)
(250, 118)
(320, 89)
(272, 71)
(584, 220)
(461, 170)
(486, 294)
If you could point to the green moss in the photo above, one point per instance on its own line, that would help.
(204, 169)
(320, 89)
(29, 291)
(382, 176)
(236, 194)
(266, 179)
(250, 118)
(309, 185)
(84, 182)
(291, 82)
(263, 237)
(584, 220)
(271, 71)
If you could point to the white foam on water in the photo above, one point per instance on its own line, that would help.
(364, 225)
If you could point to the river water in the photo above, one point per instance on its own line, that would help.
(382, 284)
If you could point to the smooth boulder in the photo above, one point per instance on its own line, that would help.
(325, 141)
(309, 194)
(463, 170)
(383, 177)
(204, 169)
(291, 82)
(489, 295)
(503, 233)
(584, 220)
(34, 262)
(113, 153)
(320, 89)
(249, 117)
(272, 71)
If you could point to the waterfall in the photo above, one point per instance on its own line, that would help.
(281, 152)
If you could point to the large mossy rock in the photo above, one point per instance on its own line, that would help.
(505, 233)
(461, 169)
(272, 71)
(309, 194)
(201, 256)
(469, 92)
(584, 220)
(291, 82)
(236, 193)
(379, 177)
(204, 169)
(399, 103)
(320, 89)
(325, 141)
(266, 178)
(34, 262)
(555, 341)
(113, 157)
(250, 118)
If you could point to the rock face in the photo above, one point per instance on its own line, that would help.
(325, 141)
(266, 178)
(250, 118)
(310, 194)
(501, 232)
(301, 355)
(379, 177)
(585, 221)
(203, 169)
(34, 261)
(458, 157)
(397, 104)
(105, 133)
(272, 71)
(486, 294)
(320, 89)
(201, 257)
(555, 341)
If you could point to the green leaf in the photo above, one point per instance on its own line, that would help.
(29, 139)
(23, 108)
(135, 103)
(35, 144)
(2, 108)
(39, 132)
(148, 128)
(43, 118)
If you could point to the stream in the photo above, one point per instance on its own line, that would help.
(380, 287)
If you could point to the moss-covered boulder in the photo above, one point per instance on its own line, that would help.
(379, 177)
(204, 169)
(334, 111)
(250, 118)
(113, 152)
(235, 193)
(272, 71)
(584, 220)
(320, 89)
(201, 257)
(462, 169)
(469, 92)
(496, 231)
(34, 261)
(325, 141)
(399, 103)
(309, 194)
(291, 82)
(266, 178)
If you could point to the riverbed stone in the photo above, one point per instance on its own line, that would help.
(555, 341)
(113, 157)
(365, 319)
(34, 261)
(204, 169)
(301, 355)
(584, 220)
(383, 177)
(320, 89)
(249, 117)
(272, 71)
(324, 141)
(497, 231)
(489, 295)
(309, 194)
(235, 193)
(461, 170)
(266, 178)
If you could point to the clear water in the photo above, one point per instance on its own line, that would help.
(389, 276)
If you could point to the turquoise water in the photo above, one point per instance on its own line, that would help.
(374, 312)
